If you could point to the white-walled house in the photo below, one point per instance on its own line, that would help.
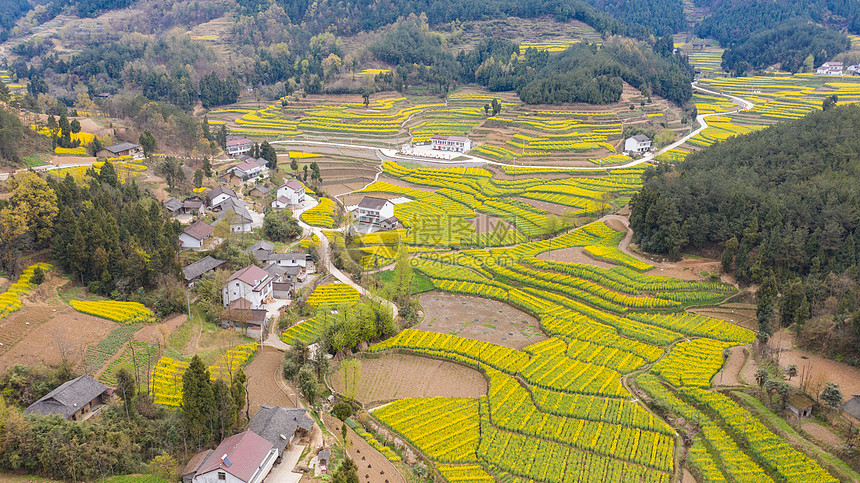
(830, 68)
(286, 259)
(192, 238)
(373, 210)
(459, 144)
(247, 288)
(291, 193)
(241, 458)
(250, 169)
(637, 144)
(236, 214)
(220, 194)
(237, 146)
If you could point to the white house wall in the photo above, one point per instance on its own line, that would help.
(189, 242)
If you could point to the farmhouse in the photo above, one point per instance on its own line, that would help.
(830, 68)
(292, 193)
(249, 169)
(192, 206)
(281, 426)
(72, 399)
(286, 259)
(173, 206)
(237, 146)
(261, 249)
(252, 283)
(459, 144)
(389, 223)
(191, 468)
(121, 149)
(219, 195)
(249, 322)
(260, 191)
(192, 238)
(236, 214)
(800, 405)
(637, 144)
(241, 458)
(373, 210)
(198, 268)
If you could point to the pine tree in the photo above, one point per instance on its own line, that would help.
(198, 408)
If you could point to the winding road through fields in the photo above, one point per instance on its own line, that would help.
(390, 154)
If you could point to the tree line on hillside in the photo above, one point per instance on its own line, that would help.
(796, 46)
(113, 236)
(363, 15)
(760, 33)
(582, 73)
(783, 206)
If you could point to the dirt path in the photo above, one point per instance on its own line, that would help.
(747, 374)
(814, 368)
(730, 375)
(822, 435)
(373, 467)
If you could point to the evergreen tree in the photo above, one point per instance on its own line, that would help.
(95, 146)
(268, 153)
(148, 143)
(198, 400)
(207, 167)
(107, 174)
(832, 395)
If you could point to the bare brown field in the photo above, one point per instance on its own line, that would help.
(553, 208)
(730, 375)
(814, 368)
(397, 376)
(487, 224)
(266, 385)
(479, 319)
(44, 334)
(373, 467)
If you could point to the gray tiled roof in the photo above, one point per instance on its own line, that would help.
(271, 422)
(69, 397)
(852, 406)
(200, 267)
(123, 146)
(173, 204)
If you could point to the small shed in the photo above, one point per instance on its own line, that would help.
(196, 462)
(800, 405)
(324, 456)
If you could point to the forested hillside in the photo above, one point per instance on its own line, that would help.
(782, 203)
(758, 33)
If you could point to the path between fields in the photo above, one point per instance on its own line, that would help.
(326, 260)
(391, 154)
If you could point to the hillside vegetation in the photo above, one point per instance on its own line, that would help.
(759, 33)
(784, 203)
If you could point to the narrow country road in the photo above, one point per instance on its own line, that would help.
(383, 154)
(326, 260)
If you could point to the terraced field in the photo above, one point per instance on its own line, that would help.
(560, 410)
